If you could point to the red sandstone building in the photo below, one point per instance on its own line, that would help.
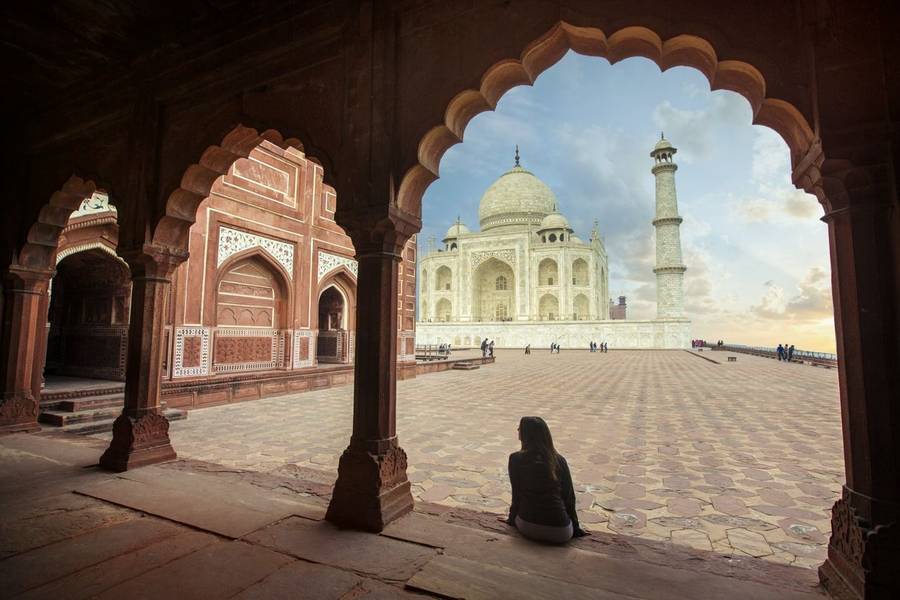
(266, 303)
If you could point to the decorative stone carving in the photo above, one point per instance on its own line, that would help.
(372, 489)
(84, 247)
(18, 413)
(862, 560)
(247, 349)
(506, 255)
(302, 354)
(182, 369)
(328, 262)
(232, 241)
(138, 441)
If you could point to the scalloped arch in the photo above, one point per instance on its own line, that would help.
(681, 50)
(42, 240)
(181, 206)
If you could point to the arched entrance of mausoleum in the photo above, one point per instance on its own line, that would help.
(494, 291)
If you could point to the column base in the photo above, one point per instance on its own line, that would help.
(138, 442)
(18, 414)
(371, 490)
(862, 561)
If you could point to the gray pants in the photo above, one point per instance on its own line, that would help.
(544, 533)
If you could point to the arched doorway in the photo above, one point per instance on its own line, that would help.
(251, 308)
(494, 292)
(443, 310)
(88, 316)
(332, 344)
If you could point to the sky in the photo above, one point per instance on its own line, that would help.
(756, 252)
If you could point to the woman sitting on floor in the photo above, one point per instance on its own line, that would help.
(543, 498)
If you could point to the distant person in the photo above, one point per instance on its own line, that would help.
(527, 348)
(780, 352)
(552, 347)
(790, 353)
(484, 347)
(491, 348)
(543, 497)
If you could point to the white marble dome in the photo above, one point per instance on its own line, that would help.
(456, 230)
(516, 198)
(554, 221)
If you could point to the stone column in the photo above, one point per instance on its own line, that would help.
(864, 549)
(141, 432)
(23, 325)
(372, 488)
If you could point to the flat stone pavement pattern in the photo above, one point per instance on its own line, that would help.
(741, 458)
(195, 530)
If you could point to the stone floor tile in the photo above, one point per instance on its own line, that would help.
(216, 571)
(749, 542)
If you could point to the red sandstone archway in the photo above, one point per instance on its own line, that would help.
(42, 241)
(172, 229)
(537, 57)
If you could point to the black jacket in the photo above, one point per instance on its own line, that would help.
(536, 497)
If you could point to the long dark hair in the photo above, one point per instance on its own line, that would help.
(537, 441)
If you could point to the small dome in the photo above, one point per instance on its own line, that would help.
(456, 230)
(663, 144)
(575, 239)
(516, 198)
(554, 221)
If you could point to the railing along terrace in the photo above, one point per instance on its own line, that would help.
(808, 356)
(432, 351)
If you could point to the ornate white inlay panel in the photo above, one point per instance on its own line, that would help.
(507, 255)
(97, 203)
(299, 363)
(232, 241)
(328, 262)
(178, 369)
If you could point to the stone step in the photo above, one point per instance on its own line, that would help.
(113, 388)
(465, 366)
(91, 402)
(62, 418)
(106, 425)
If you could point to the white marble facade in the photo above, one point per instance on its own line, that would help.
(526, 278)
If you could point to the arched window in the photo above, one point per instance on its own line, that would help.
(443, 278)
(453, 246)
(548, 272)
(552, 237)
(500, 283)
(562, 237)
(544, 238)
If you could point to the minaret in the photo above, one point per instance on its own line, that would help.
(669, 267)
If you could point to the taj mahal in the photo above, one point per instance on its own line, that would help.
(526, 278)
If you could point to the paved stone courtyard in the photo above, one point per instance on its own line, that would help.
(740, 458)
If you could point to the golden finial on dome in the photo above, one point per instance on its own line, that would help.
(517, 155)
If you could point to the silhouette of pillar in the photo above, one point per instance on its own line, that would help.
(372, 488)
(864, 549)
(23, 323)
(141, 432)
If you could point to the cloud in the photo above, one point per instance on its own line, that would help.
(698, 128)
(775, 198)
(811, 303)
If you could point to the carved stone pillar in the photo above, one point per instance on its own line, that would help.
(864, 230)
(372, 488)
(23, 325)
(141, 433)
